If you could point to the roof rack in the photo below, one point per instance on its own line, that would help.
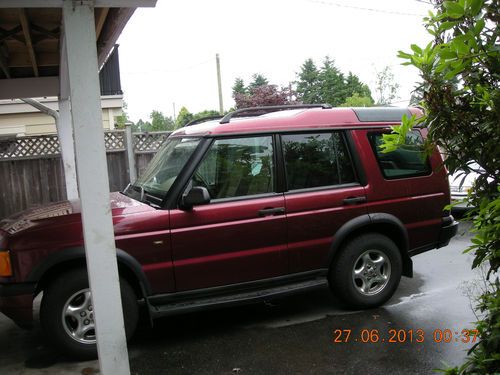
(272, 108)
(202, 119)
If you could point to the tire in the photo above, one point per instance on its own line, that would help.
(367, 271)
(71, 290)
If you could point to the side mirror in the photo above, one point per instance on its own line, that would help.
(196, 196)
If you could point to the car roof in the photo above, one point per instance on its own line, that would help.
(302, 119)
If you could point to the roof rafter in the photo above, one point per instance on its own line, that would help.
(27, 36)
(54, 34)
(99, 20)
(6, 34)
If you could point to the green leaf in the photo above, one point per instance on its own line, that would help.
(474, 6)
(454, 9)
(479, 26)
(404, 55)
(447, 54)
(447, 25)
(416, 49)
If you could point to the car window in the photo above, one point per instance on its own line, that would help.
(407, 161)
(237, 167)
(168, 162)
(316, 160)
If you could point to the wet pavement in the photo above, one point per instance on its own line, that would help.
(295, 335)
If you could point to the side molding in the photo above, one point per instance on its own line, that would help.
(78, 253)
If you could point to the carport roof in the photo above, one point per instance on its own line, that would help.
(30, 41)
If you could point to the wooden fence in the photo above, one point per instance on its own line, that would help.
(31, 170)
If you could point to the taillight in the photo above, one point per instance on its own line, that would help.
(5, 266)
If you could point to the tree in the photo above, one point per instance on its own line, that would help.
(141, 126)
(260, 93)
(207, 113)
(308, 84)
(329, 85)
(460, 88)
(385, 87)
(258, 81)
(355, 86)
(183, 117)
(263, 96)
(239, 86)
(357, 101)
(332, 85)
(122, 119)
(159, 122)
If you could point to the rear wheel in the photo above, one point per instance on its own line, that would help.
(67, 314)
(367, 271)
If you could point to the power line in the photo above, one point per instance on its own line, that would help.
(365, 9)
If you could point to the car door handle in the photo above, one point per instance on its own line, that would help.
(354, 200)
(272, 211)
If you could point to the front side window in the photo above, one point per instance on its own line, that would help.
(409, 160)
(237, 167)
(316, 160)
(162, 171)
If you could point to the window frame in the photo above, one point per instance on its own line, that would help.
(371, 140)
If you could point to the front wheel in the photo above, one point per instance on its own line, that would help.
(67, 316)
(367, 271)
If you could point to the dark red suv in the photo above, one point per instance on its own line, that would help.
(257, 204)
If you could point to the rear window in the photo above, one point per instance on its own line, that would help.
(409, 160)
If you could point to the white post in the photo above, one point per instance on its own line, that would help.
(65, 133)
(130, 153)
(80, 39)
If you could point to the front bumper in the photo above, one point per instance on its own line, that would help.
(449, 228)
(16, 301)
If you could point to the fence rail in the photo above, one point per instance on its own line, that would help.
(32, 173)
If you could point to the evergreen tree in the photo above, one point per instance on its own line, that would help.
(308, 85)
(258, 81)
(332, 85)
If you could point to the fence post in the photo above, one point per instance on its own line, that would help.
(130, 152)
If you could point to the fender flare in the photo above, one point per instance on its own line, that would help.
(368, 220)
(78, 253)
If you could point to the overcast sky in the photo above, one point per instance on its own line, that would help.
(167, 53)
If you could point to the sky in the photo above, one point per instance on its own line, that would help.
(167, 53)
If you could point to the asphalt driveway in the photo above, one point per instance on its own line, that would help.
(296, 335)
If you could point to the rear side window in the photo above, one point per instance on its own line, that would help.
(316, 159)
(407, 161)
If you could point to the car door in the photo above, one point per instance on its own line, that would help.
(240, 235)
(322, 194)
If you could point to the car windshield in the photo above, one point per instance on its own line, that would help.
(155, 182)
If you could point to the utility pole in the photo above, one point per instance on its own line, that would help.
(175, 116)
(219, 83)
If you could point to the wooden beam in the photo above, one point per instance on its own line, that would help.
(100, 17)
(6, 34)
(27, 36)
(60, 3)
(54, 34)
(22, 59)
(16, 88)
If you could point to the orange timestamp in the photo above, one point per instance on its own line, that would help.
(405, 336)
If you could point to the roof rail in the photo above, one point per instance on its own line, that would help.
(266, 109)
(202, 119)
